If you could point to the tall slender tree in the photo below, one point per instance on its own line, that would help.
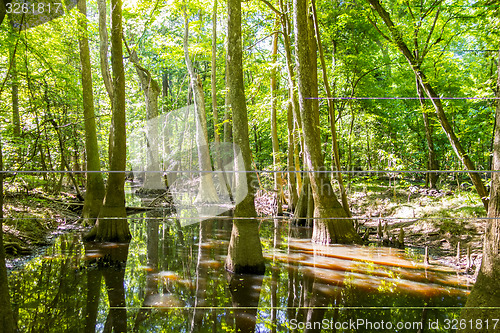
(245, 249)
(278, 183)
(207, 192)
(331, 112)
(151, 88)
(331, 222)
(6, 315)
(95, 184)
(415, 59)
(112, 223)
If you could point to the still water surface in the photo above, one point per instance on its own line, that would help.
(172, 279)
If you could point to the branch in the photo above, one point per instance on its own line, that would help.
(268, 4)
(135, 60)
(426, 45)
(377, 28)
(396, 34)
(265, 37)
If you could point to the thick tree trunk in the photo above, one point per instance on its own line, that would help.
(206, 192)
(486, 291)
(112, 223)
(245, 249)
(7, 322)
(432, 163)
(95, 184)
(278, 183)
(331, 223)
(436, 102)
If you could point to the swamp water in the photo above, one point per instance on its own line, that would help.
(172, 279)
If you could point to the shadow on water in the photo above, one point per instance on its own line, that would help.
(172, 279)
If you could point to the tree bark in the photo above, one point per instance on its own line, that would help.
(292, 182)
(103, 57)
(95, 184)
(486, 291)
(207, 192)
(16, 122)
(6, 315)
(331, 223)
(245, 249)
(219, 162)
(103, 48)
(278, 183)
(151, 88)
(331, 112)
(213, 74)
(294, 118)
(112, 223)
(436, 102)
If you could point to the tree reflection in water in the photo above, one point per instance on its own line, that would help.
(110, 262)
(174, 281)
(245, 295)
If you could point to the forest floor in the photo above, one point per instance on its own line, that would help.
(438, 219)
(32, 220)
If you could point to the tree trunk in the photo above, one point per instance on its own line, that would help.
(486, 291)
(103, 56)
(331, 112)
(213, 74)
(245, 249)
(432, 163)
(6, 316)
(302, 206)
(16, 122)
(278, 183)
(219, 164)
(294, 119)
(436, 102)
(331, 224)
(112, 225)
(2, 10)
(292, 183)
(152, 176)
(95, 184)
(206, 192)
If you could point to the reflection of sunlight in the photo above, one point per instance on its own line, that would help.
(368, 268)
(169, 274)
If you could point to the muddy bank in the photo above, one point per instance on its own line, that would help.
(33, 221)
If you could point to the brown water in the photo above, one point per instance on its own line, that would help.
(172, 279)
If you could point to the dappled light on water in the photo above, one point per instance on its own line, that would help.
(172, 278)
(370, 268)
